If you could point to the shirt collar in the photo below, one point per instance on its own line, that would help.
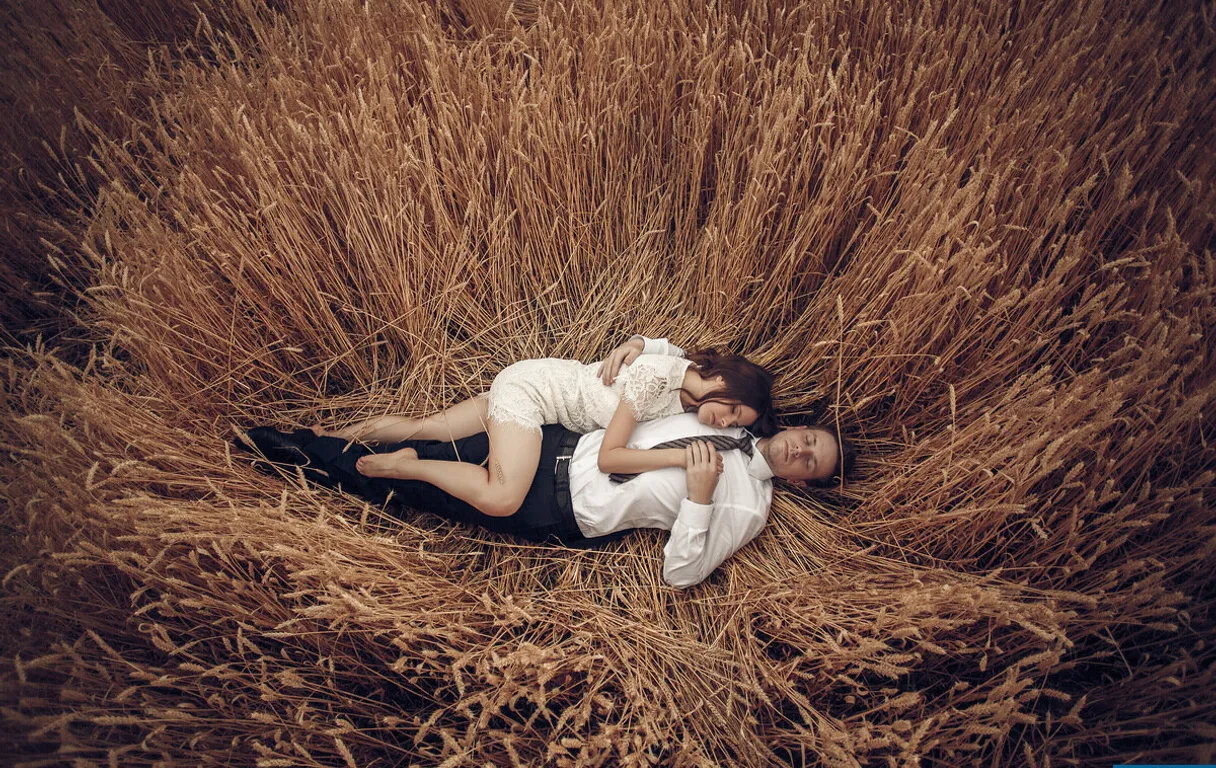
(757, 467)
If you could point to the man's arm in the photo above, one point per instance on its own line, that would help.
(705, 533)
(658, 346)
(629, 351)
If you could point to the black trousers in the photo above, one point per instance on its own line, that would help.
(546, 513)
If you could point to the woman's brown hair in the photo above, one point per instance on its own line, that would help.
(743, 382)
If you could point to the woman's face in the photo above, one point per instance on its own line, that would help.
(715, 414)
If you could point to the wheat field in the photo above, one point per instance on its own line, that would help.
(976, 237)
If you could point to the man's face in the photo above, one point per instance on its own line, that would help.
(801, 454)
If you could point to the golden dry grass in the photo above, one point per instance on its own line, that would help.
(977, 237)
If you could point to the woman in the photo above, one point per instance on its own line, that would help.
(724, 390)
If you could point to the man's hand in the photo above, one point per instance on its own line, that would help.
(702, 465)
(622, 355)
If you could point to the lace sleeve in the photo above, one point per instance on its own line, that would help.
(649, 381)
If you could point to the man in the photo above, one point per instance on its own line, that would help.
(713, 506)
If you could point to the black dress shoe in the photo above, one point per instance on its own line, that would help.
(278, 446)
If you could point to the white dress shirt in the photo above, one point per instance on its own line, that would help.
(702, 535)
(658, 346)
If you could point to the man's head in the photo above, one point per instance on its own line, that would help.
(808, 454)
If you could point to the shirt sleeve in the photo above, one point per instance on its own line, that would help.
(703, 536)
(659, 346)
(649, 380)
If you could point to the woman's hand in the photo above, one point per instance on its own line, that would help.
(622, 355)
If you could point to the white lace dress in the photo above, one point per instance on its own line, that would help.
(552, 391)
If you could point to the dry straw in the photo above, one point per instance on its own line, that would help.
(976, 237)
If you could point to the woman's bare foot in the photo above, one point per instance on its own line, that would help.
(392, 465)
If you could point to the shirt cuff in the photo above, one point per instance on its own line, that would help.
(658, 346)
(694, 516)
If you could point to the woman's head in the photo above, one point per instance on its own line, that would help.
(742, 392)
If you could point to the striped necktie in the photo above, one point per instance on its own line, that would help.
(721, 442)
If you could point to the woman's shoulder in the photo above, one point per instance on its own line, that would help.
(665, 372)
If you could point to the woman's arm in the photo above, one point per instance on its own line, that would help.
(615, 457)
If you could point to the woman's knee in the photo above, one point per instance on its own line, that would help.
(501, 500)
(511, 466)
(499, 506)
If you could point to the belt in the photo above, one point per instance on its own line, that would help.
(561, 495)
(561, 470)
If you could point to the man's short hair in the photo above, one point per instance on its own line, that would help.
(846, 457)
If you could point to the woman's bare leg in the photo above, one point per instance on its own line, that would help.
(461, 420)
(496, 489)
